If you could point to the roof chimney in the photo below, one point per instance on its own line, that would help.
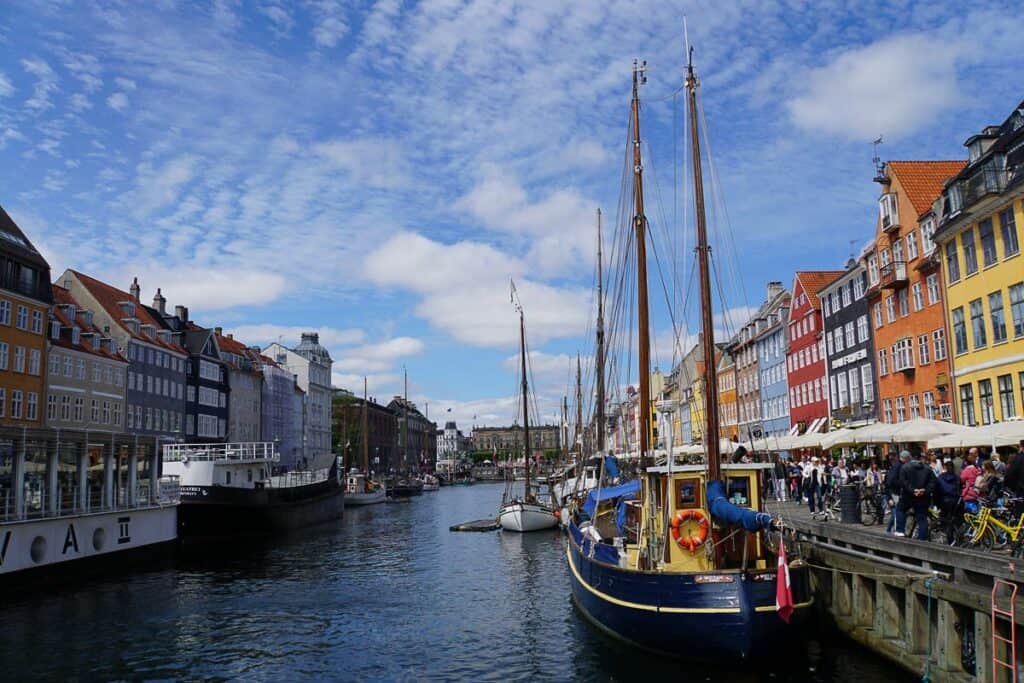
(181, 313)
(774, 289)
(219, 331)
(134, 290)
(159, 302)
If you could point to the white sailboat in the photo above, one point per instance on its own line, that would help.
(359, 489)
(528, 513)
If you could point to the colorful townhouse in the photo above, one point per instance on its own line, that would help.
(805, 357)
(849, 348)
(905, 293)
(728, 416)
(744, 349)
(25, 299)
(979, 218)
(771, 362)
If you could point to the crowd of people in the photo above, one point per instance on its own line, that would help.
(912, 481)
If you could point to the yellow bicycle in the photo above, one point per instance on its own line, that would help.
(987, 531)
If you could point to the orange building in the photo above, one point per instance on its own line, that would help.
(25, 298)
(905, 294)
(728, 405)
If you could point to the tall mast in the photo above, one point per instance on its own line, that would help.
(565, 428)
(366, 432)
(405, 418)
(599, 364)
(711, 434)
(640, 225)
(580, 434)
(526, 405)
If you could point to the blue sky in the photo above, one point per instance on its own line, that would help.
(378, 171)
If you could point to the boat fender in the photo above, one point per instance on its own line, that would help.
(693, 541)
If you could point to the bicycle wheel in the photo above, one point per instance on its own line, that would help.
(970, 538)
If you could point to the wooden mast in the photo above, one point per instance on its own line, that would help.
(711, 430)
(526, 404)
(580, 434)
(599, 364)
(565, 429)
(366, 432)
(640, 226)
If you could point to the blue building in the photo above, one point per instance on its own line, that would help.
(771, 359)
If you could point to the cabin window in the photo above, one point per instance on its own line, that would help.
(738, 491)
(687, 494)
(227, 477)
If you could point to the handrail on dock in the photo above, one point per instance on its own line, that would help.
(248, 451)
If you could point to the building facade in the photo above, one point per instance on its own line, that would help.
(905, 294)
(744, 349)
(849, 348)
(246, 384)
(311, 364)
(382, 432)
(771, 363)
(978, 239)
(805, 357)
(505, 441)
(25, 298)
(155, 396)
(417, 436)
(85, 375)
(281, 417)
(728, 414)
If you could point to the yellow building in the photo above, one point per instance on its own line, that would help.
(980, 215)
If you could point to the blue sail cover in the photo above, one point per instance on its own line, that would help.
(627, 490)
(611, 467)
(724, 511)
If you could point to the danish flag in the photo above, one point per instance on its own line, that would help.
(783, 591)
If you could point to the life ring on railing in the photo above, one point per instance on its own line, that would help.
(693, 541)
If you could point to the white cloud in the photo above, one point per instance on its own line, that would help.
(118, 101)
(379, 356)
(79, 102)
(6, 89)
(464, 289)
(45, 86)
(204, 289)
(157, 188)
(289, 335)
(893, 87)
(279, 16)
(377, 162)
(330, 26)
(125, 84)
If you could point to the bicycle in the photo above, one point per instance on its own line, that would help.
(872, 507)
(829, 505)
(987, 531)
(936, 524)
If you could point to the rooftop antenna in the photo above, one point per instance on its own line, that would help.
(877, 160)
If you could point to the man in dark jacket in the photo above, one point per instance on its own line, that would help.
(1014, 477)
(917, 485)
(947, 489)
(892, 485)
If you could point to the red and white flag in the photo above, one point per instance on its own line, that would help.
(783, 591)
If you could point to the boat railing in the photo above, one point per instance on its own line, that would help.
(39, 504)
(226, 452)
(295, 478)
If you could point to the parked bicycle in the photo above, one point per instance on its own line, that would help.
(991, 527)
(872, 506)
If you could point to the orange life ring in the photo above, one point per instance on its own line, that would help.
(693, 541)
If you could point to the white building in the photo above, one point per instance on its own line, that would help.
(311, 365)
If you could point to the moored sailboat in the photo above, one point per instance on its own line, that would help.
(526, 513)
(359, 488)
(681, 563)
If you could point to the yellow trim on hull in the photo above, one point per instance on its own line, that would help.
(771, 608)
(636, 605)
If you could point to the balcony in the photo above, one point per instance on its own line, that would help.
(893, 275)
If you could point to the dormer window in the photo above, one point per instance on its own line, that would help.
(54, 329)
(87, 318)
(76, 335)
(149, 331)
(889, 211)
(128, 307)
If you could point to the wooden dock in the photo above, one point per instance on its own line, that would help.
(914, 602)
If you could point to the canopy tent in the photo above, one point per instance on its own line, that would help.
(999, 434)
(840, 437)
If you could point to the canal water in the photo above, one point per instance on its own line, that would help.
(387, 594)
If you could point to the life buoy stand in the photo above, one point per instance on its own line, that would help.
(693, 541)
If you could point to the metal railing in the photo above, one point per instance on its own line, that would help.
(183, 452)
(299, 478)
(893, 273)
(37, 502)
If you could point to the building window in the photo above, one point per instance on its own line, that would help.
(904, 300)
(3, 401)
(889, 210)
(5, 312)
(54, 364)
(995, 309)
(911, 246)
(1016, 309)
(901, 409)
(65, 408)
(37, 322)
(844, 396)
(826, 305)
(862, 329)
(878, 314)
(106, 412)
(97, 373)
(959, 330)
(51, 407)
(847, 294)
(858, 287)
(3, 355)
(32, 406)
(80, 370)
(932, 283)
(867, 384)
(16, 404)
(952, 262)
(929, 405)
(828, 343)
(903, 354)
(978, 324)
(988, 242)
(883, 362)
(915, 406)
(887, 410)
(923, 350)
(918, 293)
(22, 322)
(839, 339)
(1006, 402)
(970, 251)
(851, 339)
(985, 398)
(19, 359)
(854, 376)
(872, 270)
(890, 308)
(967, 404)
(34, 360)
(1008, 227)
(939, 337)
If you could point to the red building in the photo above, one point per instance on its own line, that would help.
(805, 357)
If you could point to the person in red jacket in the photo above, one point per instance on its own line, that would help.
(968, 475)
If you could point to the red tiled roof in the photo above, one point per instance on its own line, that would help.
(232, 345)
(63, 296)
(923, 180)
(109, 296)
(814, 280)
